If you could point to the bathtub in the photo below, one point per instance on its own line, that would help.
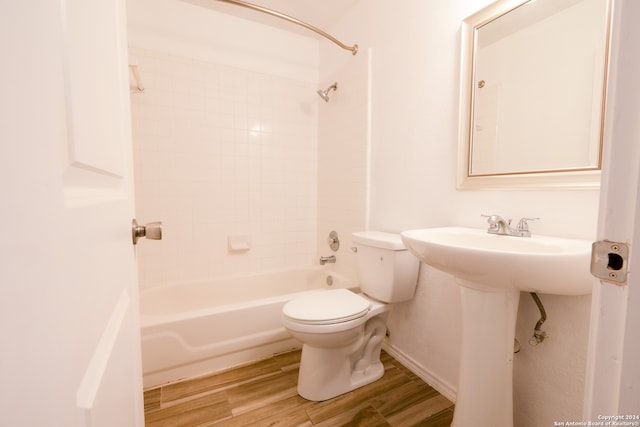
(198, 328)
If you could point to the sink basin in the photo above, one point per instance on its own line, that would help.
(493, 262)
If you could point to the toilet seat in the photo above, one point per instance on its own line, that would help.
(326, 307)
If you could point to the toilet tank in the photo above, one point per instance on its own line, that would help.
(386, 270)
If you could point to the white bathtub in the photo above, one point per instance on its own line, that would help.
(193, 329)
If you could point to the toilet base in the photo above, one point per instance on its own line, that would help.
(367, 376)
(329, 372)
(334, 381)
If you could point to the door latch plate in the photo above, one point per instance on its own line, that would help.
(609, 261)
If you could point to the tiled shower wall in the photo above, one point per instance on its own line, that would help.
(221, 152)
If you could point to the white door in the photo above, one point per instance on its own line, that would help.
(69, 334)
(613, 372)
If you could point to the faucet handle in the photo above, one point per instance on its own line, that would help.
(494, 220)
(523, 226)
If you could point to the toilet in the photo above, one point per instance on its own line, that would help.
(341, 331)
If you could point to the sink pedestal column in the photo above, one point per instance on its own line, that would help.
(485, 384)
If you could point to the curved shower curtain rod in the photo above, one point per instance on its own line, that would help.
(353, 49)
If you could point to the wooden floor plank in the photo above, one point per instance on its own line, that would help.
(262, 392)
(285, 412)
(152, 400)
(289, 360)
(192, 412)
(220, 381)
(329, 408)
(441, 419)
(400, 398)
(363, 415)
(419, 412)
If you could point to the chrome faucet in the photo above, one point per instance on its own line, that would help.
(327, 259)
(499, 225)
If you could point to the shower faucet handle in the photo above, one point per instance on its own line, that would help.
(333, 241)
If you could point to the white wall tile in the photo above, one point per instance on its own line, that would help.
(213, 159)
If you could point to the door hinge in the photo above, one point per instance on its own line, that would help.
(609, 261)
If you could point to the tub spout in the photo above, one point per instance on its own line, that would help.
(327, 259)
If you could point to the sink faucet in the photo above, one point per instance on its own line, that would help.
(499, 225)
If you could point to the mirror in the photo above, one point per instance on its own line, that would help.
(532, 94)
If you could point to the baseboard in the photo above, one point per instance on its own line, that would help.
(435, 381)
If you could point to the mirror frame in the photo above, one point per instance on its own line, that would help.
(588, 178)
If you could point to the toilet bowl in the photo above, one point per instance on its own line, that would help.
(342, 332)
(335, 359)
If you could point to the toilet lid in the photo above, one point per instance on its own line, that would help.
(327, 307)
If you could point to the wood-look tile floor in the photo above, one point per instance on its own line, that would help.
(264, 394)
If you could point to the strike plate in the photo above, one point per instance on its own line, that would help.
(609, 261)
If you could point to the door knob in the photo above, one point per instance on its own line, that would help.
(152, 230)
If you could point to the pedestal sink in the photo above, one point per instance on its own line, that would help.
(492, 270)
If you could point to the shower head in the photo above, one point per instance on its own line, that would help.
(324, 94)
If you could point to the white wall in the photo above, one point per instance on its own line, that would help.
(415, 69)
